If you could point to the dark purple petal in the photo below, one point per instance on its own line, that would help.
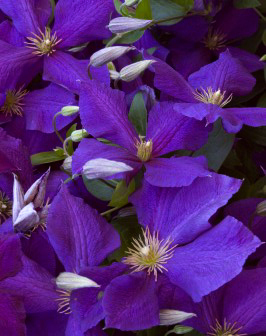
(183, 213)
(130, 303)
(250, 61)
(80, 21)
(169, 130)
(79, 235)
(199, 111)
(23, 15)
(108, 111)
(12, 316)
(213, 259)
(90, 149)
(40, 106)
(35, 285)
(175, 172)
(221, 75)
(9, 34)
(67, 71)
(43, 11)
(10, 256)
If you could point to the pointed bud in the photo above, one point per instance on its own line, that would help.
(36, 192)
(261, 209)
(71, 281)
(99, 168)
(69, 110)
(171, 316)
(126, 24)
(129, 3)
(18, 198)
(26, 219)
(67, 164)
(109, 54)
(78, 135)
(114, 74)
(132, 71)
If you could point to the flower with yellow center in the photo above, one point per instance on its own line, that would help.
(149, 253)
(212, 97)
(144, 149)
(227, 329)
(215, 39)
(13, 103)
(43, 44)
(5, 207)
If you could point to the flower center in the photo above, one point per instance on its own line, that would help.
(212, 97)
(13, 103)
(227, 329)
(64, 301)
(149, 253)
(144, 149)
(215, 39)
(43, 44)
(5, 207)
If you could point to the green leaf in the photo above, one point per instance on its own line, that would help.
(47, 157)
(143, 10)
(121, 194)
(70, 143)
(264, 37)
(51, 17)
(179, 330)
(138, 114)
(118, 4)
(246, 3)
(163, 9)
(255, 134)
(99, 188)
(217, 147)
(131, 37)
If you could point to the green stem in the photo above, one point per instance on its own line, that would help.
(65, 145)
(54, 125)
(259, 13)
(113, 40)
(109, 211)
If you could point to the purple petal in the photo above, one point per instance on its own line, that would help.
(213, 259)
(183, 213)
(9, 34)
(108, 110)
(170, 130)
(67, 71)
(79, 235)
(90, 149)
(10, 256)
(23, 15)
(250, 61)
(199, 111)
(221, 75)
(35, 285)
(43, 11)
(41, 106)
(130, 303)
(175, 172)
(80, 21)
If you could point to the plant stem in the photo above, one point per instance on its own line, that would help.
(65, 146)
(109, 211)
(259, 13)
(54, 125)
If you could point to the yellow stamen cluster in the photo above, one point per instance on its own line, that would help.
(149, 253)
(13, 103)
(215, 39)
(212, 97)
(227, 329)
(144, 150)
(5, 207)
(64, 301)
(43, 44)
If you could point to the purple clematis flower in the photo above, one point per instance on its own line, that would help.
(167, 131)
(28, 44)
(179, 242)
(237, 308)
(209, 90)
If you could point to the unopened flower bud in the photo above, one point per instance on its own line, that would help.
(109, 54)
(26, 219)
(126, 24)
(129, 3)
(36, 192)
(71, 281)
(18, 198)
(132, 71)
(77, 136)
(171, 316)
(261, 209)
(114, 74)
(69, 110)
(67, 164)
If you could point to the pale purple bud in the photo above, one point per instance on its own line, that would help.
(132, 71)
(67, 164)
(126, 24)
(18, 198)
(261, 209)
(107, 55)
(34, 190)
(71, 281)
(69, 110)
(78, 135)
(171, 316)
(39, 198)
(114, 74)
(26, 219)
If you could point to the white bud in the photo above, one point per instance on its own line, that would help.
(261, 209)
(26, 219)
(126, 24)
(129, 3)
(69, 110)
(36, 192)
(67, 164)
(114, 74)
(171, 316)
(72, 281)
(109, 54)
(18, 198)
(78, 135)
(99, 168)
(132, 71)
